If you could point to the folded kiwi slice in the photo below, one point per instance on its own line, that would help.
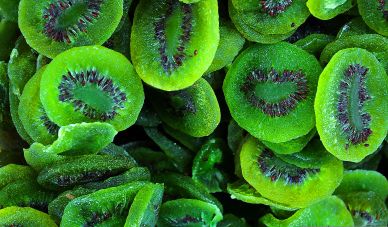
(173, 43)
(375, 14)
(352, 91)
(13, 172)
(53, 26)
(295, 180)
(32, 114)
(93, 83)
(272, 97)
(314, 43)
(107, 207)
(25, 216)
(327, 212)
(194, 110)
(326, 10)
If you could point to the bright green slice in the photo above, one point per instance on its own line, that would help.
(25, 216)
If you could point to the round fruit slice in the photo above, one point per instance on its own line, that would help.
(173, 43)
(296, 180)
(351, 104)
(26, 216)
(270, 91)
(375, 14)
(53, 26)
(88, 84)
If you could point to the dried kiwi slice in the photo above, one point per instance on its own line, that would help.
(356, 26)
(9, 10)
(26, 216)
(328, 9)
(351, 103)
(375, 14)
(188, 212)
(328, 212)
(270, 91)
(13, 172)
(173, 43)
(8, 34)
(53, 26)
(32, 114)
(295, 180)
(88, 84)
(314, 43)
(194, 110)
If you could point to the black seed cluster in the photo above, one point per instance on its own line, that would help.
(364, 215)
(51, 127)
(354, 73)
(284, 106)
(56, 9)
(274, 7)
(68, 180)
(188, 106)
(384, 9)
(170, 63)
(97, 218)
(72, 80)
(186, 220)
(288, 173)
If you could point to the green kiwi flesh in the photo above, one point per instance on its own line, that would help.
(25, 216)
(270, 96)
(173, 43)
(326, 10)
(350, 104)
(295, 180)
(51, 27)
(375, 14)
(91, 83)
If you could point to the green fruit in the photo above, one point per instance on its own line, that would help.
(231, 42)
(367, 208)
(38, 157)
(51, 27)
(83, 169)
(350, 104)
(356, 26)
(32, 115)
(26, 216)
(144, 210)
(291, 146)
(9, 10)
(107, 207)
(12, 172)
(194, 110)
(173, 43)
(235, 136)
(375, 14)
(270, 96)
(314, 43)
(8, 34)
(328, 9)
(230, 220)
(190, 142)
(374, 43)
(295, 180)
(328, 212)
(188, 212)
(363, 181)
(88, 84)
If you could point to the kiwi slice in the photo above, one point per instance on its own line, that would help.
(291, 146)
(242, 191)
(107, 207)
(84, 169)
(26, 193)
(9, 10)
(326, 10)
(235, 136)
(120, 40)
(173, 43)
(272, 16)
(375, 14)
(352, 90)
(93, 83)
(374, 43)
(194, 110)
(314, 43)
(190, 142)
(25, 216)
(295, 180)
(32, 115)
(363, 181)
(231, 42)
(188, 212)
(327, 212)
(8, 34)
(13, 172)
(53, 26)
(230, 220)
(356, 26)
(38, 158)
(367, 208)
(144, 210)
(250, 33)
(269, 96)
(205, 166)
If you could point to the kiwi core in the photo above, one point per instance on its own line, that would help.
(64, 20)
(383, 6)
(173, 31)
(181, 103)
(274, 7)
(91, 93)
(261, 89)
(352, 98)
